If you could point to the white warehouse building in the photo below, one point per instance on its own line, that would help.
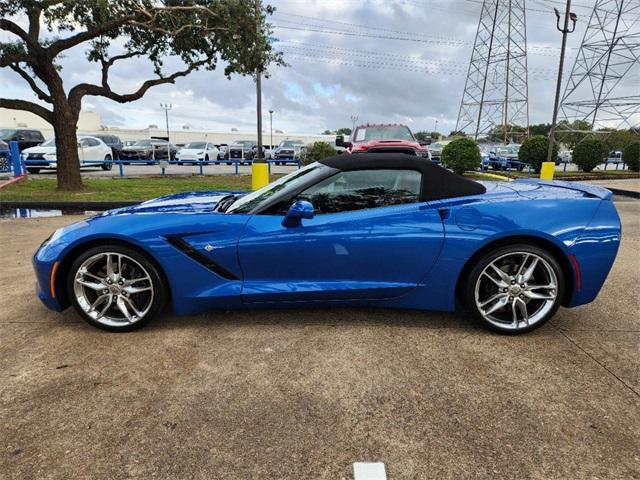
(90, 122)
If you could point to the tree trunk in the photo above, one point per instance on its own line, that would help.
(64, 126)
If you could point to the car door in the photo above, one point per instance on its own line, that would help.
(370, 239)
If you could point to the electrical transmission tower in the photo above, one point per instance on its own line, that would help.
(496, 90)
(604, 86)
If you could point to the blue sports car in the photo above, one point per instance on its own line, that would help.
(388, 230)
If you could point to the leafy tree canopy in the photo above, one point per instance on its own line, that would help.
(198, 33)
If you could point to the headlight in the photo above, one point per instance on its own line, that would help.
(200, 153)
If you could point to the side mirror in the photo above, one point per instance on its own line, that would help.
(341, 143)
(299, 210)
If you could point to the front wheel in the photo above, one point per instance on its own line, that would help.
(115, 288)
(107, 165)
(515, 289)
(33, 170)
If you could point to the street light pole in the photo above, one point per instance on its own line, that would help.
(271, 129)
(166, 107)
(565, 30)
(354, 118)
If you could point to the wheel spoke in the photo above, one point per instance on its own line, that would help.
(132, 290)
(492, 299)
(522, 306)
(119, 266)
(136, 280)
(514, 313)
(499, 283)
(87, 273)
(109, 265)
(132, 306)
(537, 287)
(123, 308)
(527, 274)
(497, 306)
(524, 262)
(540, 296)
(91, 285)
(503, 275)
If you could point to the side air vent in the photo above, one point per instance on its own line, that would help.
(182, 245)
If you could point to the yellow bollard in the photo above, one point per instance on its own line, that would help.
(259, 175)
(547, 170)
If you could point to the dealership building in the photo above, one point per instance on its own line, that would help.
(91, 122)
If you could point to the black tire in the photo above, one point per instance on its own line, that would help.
(107, 166)
(160, 289)
(179, 163)
(468, 291)
(229, 163)
(33, 170)
(206, 159)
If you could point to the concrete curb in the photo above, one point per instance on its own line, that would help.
(624, 193)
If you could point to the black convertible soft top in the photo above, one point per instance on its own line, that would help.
(437, 182)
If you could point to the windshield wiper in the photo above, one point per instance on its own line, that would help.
(225, 202)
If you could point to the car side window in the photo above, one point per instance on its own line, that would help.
(92, 142)
(361, 189)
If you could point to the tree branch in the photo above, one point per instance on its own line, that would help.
(82, 89)
(28, 106)
(106, 64)
(66, 43)
(32, 83)
(9, 26)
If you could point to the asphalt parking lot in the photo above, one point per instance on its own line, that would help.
(304, 394)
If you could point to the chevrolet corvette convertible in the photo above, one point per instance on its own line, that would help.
(387, 230)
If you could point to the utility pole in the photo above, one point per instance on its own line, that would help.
(271, 128)
(565, 30)
(166, 107)
(354, 119)
(259, 167)
(436, 127)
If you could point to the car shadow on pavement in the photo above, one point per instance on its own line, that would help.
(325, 317)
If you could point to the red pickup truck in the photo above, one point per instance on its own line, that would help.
(380, 138)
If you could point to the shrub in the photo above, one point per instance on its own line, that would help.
(534, 151)
(589, 153)
(631, 156)
(317, 151)
(461, 155)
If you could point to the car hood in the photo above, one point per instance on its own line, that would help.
(185, 202)
(388, 143)
(136, 149)
(191, 151)
(39, 149)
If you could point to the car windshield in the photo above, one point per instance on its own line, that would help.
(244, 143)
(383, 133)
(196, 145)
(50, 142)
(142, 143)
(6, 133)
(291, 181)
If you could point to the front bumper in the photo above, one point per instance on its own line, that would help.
(43, 270)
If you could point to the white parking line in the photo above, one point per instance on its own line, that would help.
(369, 471)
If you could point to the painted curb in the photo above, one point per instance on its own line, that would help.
(12, 181)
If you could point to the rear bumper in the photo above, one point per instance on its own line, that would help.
(593, 253)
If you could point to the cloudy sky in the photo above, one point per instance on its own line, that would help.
(382, 60)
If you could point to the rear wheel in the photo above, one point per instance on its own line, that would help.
(515, 289)
(33, 170)
(115, 288)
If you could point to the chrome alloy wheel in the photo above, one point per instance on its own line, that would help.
(113, 289)
(516, 290)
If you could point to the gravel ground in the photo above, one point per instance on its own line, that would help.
(304, 394)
